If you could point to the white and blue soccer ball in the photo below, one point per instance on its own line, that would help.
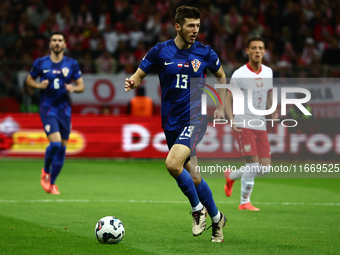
(109, 230)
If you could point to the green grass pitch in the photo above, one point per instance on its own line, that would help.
(298, 216)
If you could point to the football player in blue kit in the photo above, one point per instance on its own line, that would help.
(179, 61)
(56, 73)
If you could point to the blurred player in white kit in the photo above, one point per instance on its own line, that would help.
(250, 129)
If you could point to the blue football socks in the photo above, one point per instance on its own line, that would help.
(206, 198)
(186, 184)
(51, 151)
(58, 163)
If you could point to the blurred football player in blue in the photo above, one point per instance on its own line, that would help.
(56, 73)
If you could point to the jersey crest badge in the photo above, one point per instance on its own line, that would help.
(65, 71)
(48, 128)
(195, 64)
(259, 82)
(247, 148)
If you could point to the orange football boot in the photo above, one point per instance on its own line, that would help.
(54, 189)
(228, 187)
(45, 180)
(248, 206)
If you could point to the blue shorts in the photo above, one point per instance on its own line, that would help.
(189, 136)
(54, 124)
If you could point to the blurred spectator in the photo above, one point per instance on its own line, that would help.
(77, 51)
(48, 27)
(308, 10)
(241, 44)
(65, 19)
(153, 28)
(219, 42)
(127, 61)
(120, 49)
(164, 34)
(87, 30)
(37, 13)
(309, 51)
(86, 63)
(99, 50)
(105, 110)
(40, 49)
(232, 62)
(288, 54)
(83, 15)
(122, 11)
(26, 62)
(22, 24)
(268, 55)
(30, 38)
(93, 26)
(8, 36)
(291, 16)
(112, 38)
(136, 35)
(140, 105)
(285, 35)
(94, 39)
(283, 70)
(106, 64)
(18, 49)
(140, 52)
(104, 17)
(273, 19)
(232, 21)
(323, 29)
(337, 26)
(256, 28)
(331, 56)
(75, 36)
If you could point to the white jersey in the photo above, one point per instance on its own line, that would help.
(260, 83)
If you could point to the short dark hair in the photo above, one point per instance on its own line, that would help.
(57, 33)
(188, 12)
(255, 38)
(141, 91)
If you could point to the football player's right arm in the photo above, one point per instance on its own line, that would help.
(32, 83)
(134, 81)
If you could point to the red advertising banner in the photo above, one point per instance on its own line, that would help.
(102, 136)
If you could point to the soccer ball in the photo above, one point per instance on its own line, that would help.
(109, 230)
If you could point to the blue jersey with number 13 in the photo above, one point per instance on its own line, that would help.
(176, 67)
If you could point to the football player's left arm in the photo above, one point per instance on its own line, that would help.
(78, 88)
(269, 103)
(221, 79)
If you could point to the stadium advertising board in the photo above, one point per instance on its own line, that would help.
(98, 136)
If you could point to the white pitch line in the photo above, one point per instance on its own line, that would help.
(156, 202)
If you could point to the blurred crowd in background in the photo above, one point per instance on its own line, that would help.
(108, 37)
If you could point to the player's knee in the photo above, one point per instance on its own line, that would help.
(173, 167)
(251, 159)
(249, 182)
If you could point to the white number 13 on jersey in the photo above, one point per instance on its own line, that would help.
(182, 78)
(187, 131)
